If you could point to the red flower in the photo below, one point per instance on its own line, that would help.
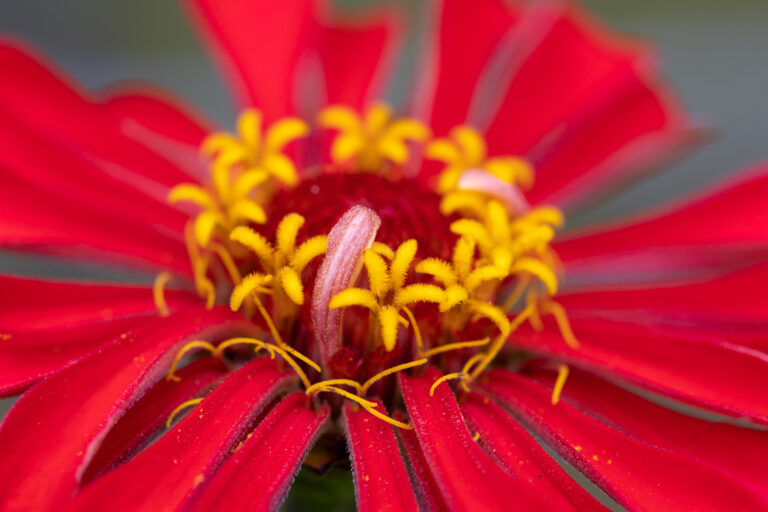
(354, 246)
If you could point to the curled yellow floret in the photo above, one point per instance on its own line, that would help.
(368, 141)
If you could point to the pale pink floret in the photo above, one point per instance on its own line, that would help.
(479, 180)
(348, 239)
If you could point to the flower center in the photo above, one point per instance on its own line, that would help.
(400, 275)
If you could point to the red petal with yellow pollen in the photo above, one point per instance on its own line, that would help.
(257, 476)
(425, 486)
(147, 417)
(737, 451)
(348, 239)
(467, 35)
(50, 106)
(29, 356)
(53, 431)
(30, 304)
(357, 56)
(47, 325)
(466, 476)
(175, 469)
(699, 370)
(521, 455)
(639, 476)
(381, 481)
(733, 307)
(716, 227)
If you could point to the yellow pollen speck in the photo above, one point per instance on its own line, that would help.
(366, 478)
(5, 336)
(577, 448)
(595, 458)
(198, 480)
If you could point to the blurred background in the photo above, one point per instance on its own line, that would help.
(714, 52)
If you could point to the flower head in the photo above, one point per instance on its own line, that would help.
(395, 285)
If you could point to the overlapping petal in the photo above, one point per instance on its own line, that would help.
(638, 475)
(704, 371)
(262, 469)
(54, 430)
(467, 478)
(175, 469)
(381, 479)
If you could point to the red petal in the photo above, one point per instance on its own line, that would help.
(466, 37)
(639, 476)
(425, 485)
(724, 220)
(357, 56)
(259, 44)
(579, 104)
(28, 356)
(737, 451)
(53, 431)
(733, 307)
(46, 325)
(467, 477)
(170, 472)
(146, 418)
(37, 304)
(381, 481)
(703, 371)
(52, 107)
(31, 218)
(257, 476)
(521, 455)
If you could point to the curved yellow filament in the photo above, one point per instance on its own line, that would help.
(158, 293)
(186, 348)
(180, 408)
(389, 371)
(446, 377)
(455, 346)
(562, 376)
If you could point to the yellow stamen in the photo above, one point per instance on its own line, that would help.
(346, 394)
(228, 262)
(517, 292)
(386, 418)
(389, 371)
(331, 382)
(186, 348)
(472, 361)
(455, 346)
(180, 408)
(416, 329)
(158, 292)
(446, 377)
(562, 376)
(556, 310)
(499, 342)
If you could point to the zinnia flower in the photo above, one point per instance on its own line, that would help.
(335, 273)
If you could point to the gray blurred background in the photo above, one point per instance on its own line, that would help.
(715, 53)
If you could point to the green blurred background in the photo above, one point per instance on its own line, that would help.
(715, 52)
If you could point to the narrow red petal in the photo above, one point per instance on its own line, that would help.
(425, 486)
(381, 481)
(467, 35)
(702, 371)
(737, 451)
(259, 45)
(257, 476)
(733, 307)
(173, 471)
(467, 477)
(146, 418)
(44, 460)
(41, 99)
(637, 475)
(357, 56)
(521, 455)
(32, 304)
(29, 356)
(728, 220)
